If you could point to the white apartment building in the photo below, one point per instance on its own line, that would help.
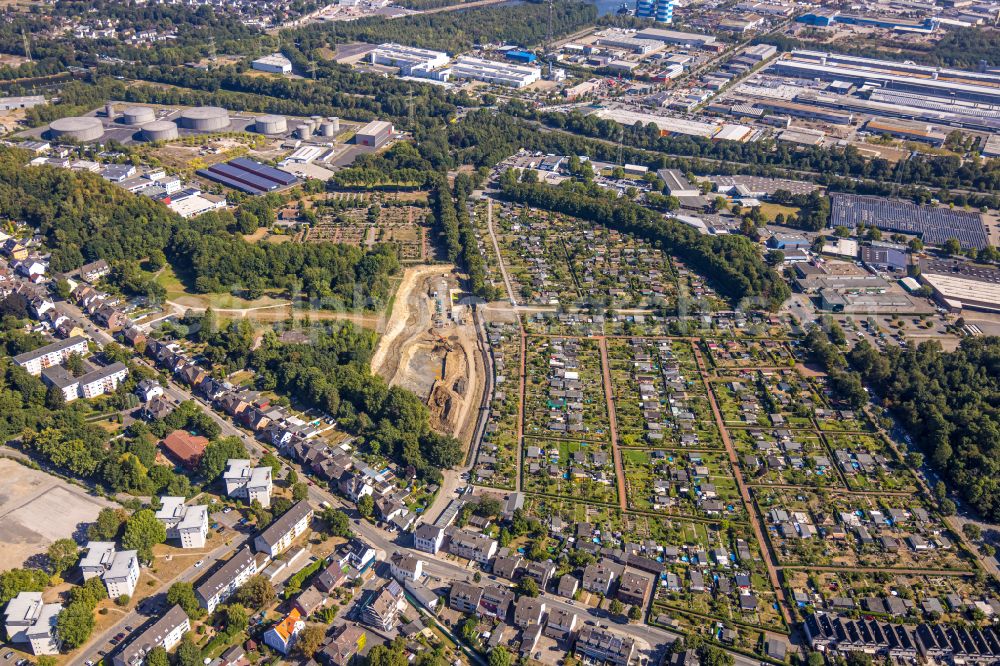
(123, 574)
(187, 523)
(498, 73)
(118, 569)
(28, 619)
(103, 380)
(49, 355)
(166, 632)
(249, 483)
(279, 535)
(428, 538)
(406, 567)
(222, 584)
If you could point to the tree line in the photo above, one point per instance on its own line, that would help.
(950, 403)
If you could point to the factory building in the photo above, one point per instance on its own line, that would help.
(620, 40)
(248, 176)
(962, 285)
(374, 133)
(410, 60)
(675, 37)
(499, 73)
(902, 129)
(815, 65)
(805, 111)
(523, 57)
(274, 63)
(11, 103)
(661, 11)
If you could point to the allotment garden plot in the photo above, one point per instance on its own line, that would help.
(912, 598)
(556, 259)
(764, 397)
(885, 531)
(496, 464)
(748, 353)
(690, 483)
(567, 447)
(867, 463)
(659, 397)
(362, 220)
(779, 456)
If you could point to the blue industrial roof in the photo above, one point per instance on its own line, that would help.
(243, 176)
(517, 54)
(226, 180)
(263, 170)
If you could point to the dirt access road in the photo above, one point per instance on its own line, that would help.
(431, 346)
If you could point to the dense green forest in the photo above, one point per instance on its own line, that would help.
(950, 403)
(524, 24)
(731, 263)
(83, 218)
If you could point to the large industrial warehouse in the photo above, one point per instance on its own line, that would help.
(374, 134)
(962, 285)
(934, 225)
(866, 71)
(248, 176)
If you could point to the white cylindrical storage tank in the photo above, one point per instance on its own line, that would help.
(160, 130)
(270, 124)
(335, 121)
(304, 131)
(78, 129)
(326, 129)
(137, 115)
(109, 110)
(204, 118)
(315, 121)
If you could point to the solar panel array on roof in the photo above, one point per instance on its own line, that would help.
(248, 176)
(262, 170)
(934, 225)
(226, 180)
(244, 176)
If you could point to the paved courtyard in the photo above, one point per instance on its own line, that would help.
(36, 509)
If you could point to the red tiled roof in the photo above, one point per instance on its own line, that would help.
(185, 447)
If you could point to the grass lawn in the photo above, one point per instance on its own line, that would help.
(771, 210)
(178, 293)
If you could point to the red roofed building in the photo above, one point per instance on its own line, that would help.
(185, 448)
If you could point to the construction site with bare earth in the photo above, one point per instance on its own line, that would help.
(430, 346)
